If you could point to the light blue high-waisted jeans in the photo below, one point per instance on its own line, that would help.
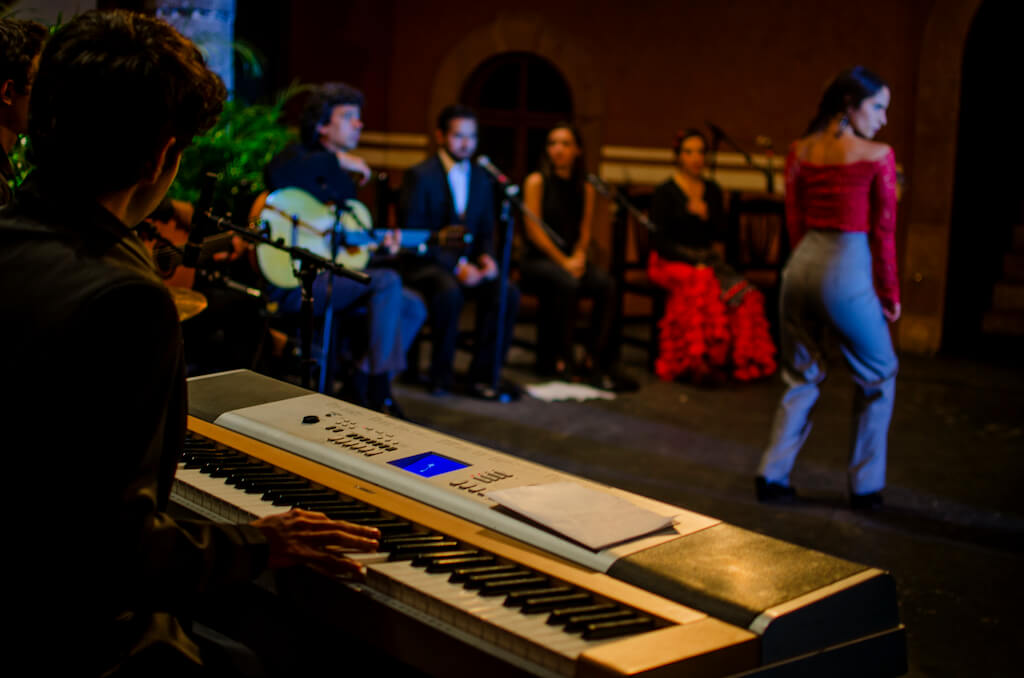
(828, 284)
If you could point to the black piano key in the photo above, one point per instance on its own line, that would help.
(225, 470)
(461, 574)
(428, 558)
(548, 603)
(256, 471)
(224, 459)
(451, 564)
(410, 551)
(339, 511)
(421, 538)
(334, 511)
(578, 622)
(477, 581)
(289, 497)
(261, 484)
(388, 527)
(199, 461)
(561, 615)
(498, 588)
(337, 502)
(612, 629)
(517, 598)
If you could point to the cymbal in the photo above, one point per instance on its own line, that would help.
(188, 302)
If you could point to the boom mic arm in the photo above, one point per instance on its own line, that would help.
(201, 222)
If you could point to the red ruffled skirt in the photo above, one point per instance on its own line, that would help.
(706, 332)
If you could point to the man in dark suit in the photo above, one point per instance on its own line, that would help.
(447, 189)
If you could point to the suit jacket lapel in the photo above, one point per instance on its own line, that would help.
(446, 206)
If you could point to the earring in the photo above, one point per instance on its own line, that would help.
(844, 122)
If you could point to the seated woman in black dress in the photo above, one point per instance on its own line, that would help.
(557, 269)
(714, 322)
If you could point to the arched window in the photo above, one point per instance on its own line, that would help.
(518, 97)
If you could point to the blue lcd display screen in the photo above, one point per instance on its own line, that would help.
(428, 464)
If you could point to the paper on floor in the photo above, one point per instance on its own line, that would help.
(560, 390)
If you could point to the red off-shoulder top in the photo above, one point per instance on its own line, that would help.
(859, 196)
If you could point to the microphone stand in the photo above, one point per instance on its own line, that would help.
(506, 257)
(310, 265)
(717, 136)
(622, 201)
(511, 197)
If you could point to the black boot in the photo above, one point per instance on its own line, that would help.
(380, 396)
(356, 389)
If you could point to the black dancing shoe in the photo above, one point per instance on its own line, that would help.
(391, 408)
(866, 502)
(773, 493)
(506, 392)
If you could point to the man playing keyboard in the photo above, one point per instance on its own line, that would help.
(102, 579)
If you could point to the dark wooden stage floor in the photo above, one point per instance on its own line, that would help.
(952, 531)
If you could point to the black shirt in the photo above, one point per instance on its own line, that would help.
(92, 361)
(6, 179)
(315, 170)
(562, 210)
(677, 226)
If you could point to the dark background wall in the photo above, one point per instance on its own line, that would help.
(752, 67)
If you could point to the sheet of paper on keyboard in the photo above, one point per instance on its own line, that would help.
(588, 516)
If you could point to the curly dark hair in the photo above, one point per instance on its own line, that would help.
(321, 104)
(20, 42)
(113, 87)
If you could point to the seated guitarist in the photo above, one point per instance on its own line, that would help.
(320, 165)
(447, 189)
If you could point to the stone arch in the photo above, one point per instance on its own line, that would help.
(936, 115)
(526, 32)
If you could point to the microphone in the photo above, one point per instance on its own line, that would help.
(200, 222)
(491, 169)
(599, 185)
(717, 131)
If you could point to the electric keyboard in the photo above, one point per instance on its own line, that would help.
(704, 598)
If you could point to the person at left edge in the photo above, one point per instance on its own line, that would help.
(108, 581)
(320, 165)
(20, 45)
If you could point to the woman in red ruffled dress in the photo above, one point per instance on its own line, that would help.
(714, 325)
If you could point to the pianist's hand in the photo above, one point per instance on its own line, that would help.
(301, 537)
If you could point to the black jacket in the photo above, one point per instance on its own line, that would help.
(91, 362)
(427, 203)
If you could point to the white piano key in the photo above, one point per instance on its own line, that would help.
(506, 627)
(486, 618)
(217, 487)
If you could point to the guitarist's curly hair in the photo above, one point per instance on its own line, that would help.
(113, 87)
(20, 42)
(320, 105)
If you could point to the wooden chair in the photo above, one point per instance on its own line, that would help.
(759, 244)
(630, 249)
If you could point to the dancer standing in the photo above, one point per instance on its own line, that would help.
(841, 216)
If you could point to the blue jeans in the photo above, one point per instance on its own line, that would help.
(828, 284)
(394, 314)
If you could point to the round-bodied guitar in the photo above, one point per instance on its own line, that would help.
(298, 219)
